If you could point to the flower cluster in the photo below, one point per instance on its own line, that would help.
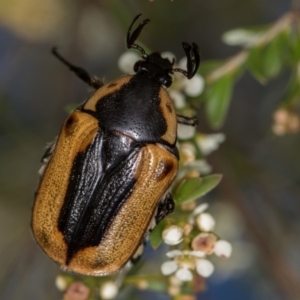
(193, 241)
(76, 290)
(185, 262)
(285, 121)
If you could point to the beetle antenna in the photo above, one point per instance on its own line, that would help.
(131, 38)
(193, 60)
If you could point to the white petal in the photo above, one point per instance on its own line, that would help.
(172, 235)
(240, 36)
(174, 253)
(169, 55)
(194, 87)
(178, 99)
(205, 222)
(168, 267)
(223, 248)
(200, 208)
(185, 132)
(61, 283)
(204, 267)
(184, 274)
(127, 61)
(198, 253)
(182, 64)
(201, 165)
(108, 290)
(210, 142)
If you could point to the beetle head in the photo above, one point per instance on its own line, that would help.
(156, 67)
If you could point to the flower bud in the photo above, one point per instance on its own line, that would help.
(223, 249)
(172, 235)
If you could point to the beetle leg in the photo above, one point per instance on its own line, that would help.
(191, 121)
(131, 38)
(165, 207)
(193, 60)
(81, 73)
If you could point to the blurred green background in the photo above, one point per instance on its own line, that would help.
(257, 204)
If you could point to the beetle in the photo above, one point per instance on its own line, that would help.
(106, 179)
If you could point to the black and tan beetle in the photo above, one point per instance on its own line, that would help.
(106, 179)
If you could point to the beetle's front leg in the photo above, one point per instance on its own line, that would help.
(191, 121)
(80, 72)
(165, 207)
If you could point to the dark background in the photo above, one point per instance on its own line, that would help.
(257, 204)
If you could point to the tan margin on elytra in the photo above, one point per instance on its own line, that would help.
(76, 134)
(169, 113)
(107, 89)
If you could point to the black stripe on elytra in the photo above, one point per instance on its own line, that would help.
(102, 179)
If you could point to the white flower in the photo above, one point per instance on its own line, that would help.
(209, 142)
(185, 132)
(174, 253)
(184, 274)
(201, 165)
(127, 61)
(240, 37)
(204, 242)
(198, 253)
(108, 290)
(61, 283)
(169, 55)
(169, 267)
(200, 209)
(204, 267)
(193, 87)
(187, 152)
(178, 99)
(172, 235)
(205, 222)
(223, 249)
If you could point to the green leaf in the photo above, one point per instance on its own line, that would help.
(294, 47)
(275, 55)
(192, 188)
(208, 66)
(254, 63)
(292, 94)
(266, 61)
(156, 235)
(218, 99)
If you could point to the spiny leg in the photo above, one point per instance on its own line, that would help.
(191, 121)
(165, 207)
(80, 72)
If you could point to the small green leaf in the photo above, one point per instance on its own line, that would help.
(156, 235)
(274, 56)
(292, 94)
(218, 99)
(294, 47)
(157, 285)
(266, 61)
(254, 63)
(192, 188)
